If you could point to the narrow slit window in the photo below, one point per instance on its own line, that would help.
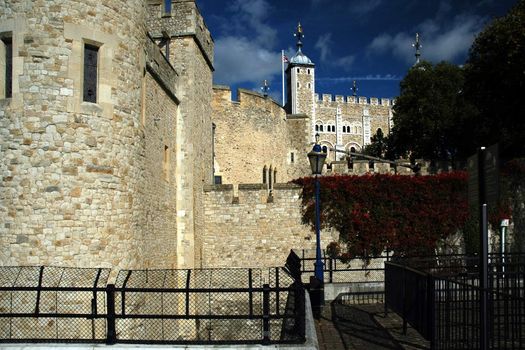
(7, 68)
(292, 156)
(166, 163)
(167, 6)
(90, 73)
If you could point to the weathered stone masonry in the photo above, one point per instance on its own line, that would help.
(252, 231)
(112, 183)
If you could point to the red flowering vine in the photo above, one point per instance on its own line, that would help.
(374, 213)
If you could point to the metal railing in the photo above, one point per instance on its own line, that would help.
(219, 306)
(443, 303)
(359, 270)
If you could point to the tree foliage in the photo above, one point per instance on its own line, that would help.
(378, 146)
(405, 214)
(495, 83)
(431, 112)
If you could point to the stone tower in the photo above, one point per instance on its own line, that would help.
(105, 140)
(190, 51)
(70, 142)
(300, 76)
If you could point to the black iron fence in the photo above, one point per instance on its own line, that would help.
(441, 300)
(222, 306)
(368, 269)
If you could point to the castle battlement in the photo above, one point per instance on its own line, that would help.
(252, 193)
(245, 98)
(334, 100)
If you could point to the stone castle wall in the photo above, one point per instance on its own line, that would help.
(69, 168)
(255, 133)
(252, 231)
(352, 112)
(116, 183)
(191, 54)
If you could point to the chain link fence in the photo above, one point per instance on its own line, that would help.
(52, 303)
(208, 306)
(212, 306)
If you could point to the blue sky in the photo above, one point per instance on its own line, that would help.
(369, 41)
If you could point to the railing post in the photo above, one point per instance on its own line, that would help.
(39, 290)
(386, 289)
(300, 313)
(266, 314)
(111, 336)
(331, 272)
(405, 311)
(277, 311)
(188, 280)
(250, 292)
(431, 311)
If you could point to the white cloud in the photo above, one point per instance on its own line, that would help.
(250, 16)
(324, 45)
(248, 57)
(364, 6)
(238, 59)
(439, 42)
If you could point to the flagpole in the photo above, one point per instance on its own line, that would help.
(282, 71)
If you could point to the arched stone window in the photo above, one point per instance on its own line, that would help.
(265, 170)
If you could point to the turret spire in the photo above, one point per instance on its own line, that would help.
(299, 35)
(418, 46)
(265, 88)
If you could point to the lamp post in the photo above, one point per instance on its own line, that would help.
(317, 157)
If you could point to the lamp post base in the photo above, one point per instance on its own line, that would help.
(316, 296)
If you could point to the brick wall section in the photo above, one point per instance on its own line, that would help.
(252, 232)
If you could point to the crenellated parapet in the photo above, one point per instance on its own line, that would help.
(334, 100)
(254, 194)
(246, 99)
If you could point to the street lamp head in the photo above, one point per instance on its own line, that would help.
(317, 157)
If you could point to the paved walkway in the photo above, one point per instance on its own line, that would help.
(364, 327)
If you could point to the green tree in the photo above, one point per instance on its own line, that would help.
(378, 146)
(495, 83)
(430, 114)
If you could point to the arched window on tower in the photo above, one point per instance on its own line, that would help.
(274, 176)
(321, 128)
(265, 170)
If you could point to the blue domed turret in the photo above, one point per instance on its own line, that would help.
(300, 57)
